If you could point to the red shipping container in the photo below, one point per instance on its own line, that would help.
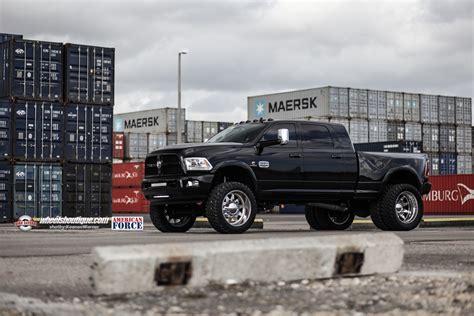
(128, 174)
(129, 200)
(118, 151)
(450, 195)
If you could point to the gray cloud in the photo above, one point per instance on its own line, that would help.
(241, 48)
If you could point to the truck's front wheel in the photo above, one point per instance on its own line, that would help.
(321, 219)
(166, 221)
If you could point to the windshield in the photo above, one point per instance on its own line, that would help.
(242, 133)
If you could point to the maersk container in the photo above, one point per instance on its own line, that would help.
(88, 133)
(38, 131)
(431, 137)
(6, 188)
(358, 103)
(447, 163)
(464, 164)
(156, 141)
(37, 190)
(433, 159)
(411, 107)
(464, 111)
(209, 129)
(377, 105)
(87, 190)
(402, 146)
(194, 131)
(395, 131)
(447, 110)
(149, 121)
(338, 102)
(172, 138)
(136, 145)
(447, 138)
(377, 131)
(359, 130)
(394, 106)
(464, 139)
(5, 130)
(31, 70)
(89, 74)
(6, 37)
(429, 109)
(342, 121)
(413, 131)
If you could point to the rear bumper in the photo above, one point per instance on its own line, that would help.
(178, 190)
(426, 188)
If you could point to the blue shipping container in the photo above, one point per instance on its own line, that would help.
(89, 74)
(447, 163)
(6, 187)
(38, 131)
(88, 133)
(31, 70)
(5, 130)
(37, 190)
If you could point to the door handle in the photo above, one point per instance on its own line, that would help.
(295, 156)
(336, 156)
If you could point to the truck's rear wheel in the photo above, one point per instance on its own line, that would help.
(321, 219)
(400, 208)
(166, 221)
(231, 208)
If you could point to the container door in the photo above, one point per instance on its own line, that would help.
(25, 187)
(5, 130)
(6, 185)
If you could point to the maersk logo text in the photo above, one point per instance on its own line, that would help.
(292, 105)
(142, 122)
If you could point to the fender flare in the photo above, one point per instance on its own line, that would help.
(408, 169)
(239, 164)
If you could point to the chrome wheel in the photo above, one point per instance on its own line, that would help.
(406, 207)
(236, 208)
(339, 218)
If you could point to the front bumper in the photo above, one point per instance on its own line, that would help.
(177, 190)
(426, 188)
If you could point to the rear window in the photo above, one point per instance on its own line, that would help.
(316, 136)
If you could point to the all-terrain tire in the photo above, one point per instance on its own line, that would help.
(214, 210)
(162, 222)
(321, 219)
(376, 216)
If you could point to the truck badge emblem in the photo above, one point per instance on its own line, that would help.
(263, 164)
(158, 164)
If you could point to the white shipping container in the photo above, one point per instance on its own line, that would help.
(413, 131)
(377, 131)
(338, 102)
(411, 107)
(464, 164)
(149, 121)
(358, 105)
(430, 137)
(136, 145)
(463, 111)
(209, 129)
(429, 109)
(394, 106)
(359, 130)
(377, 105)
(156, 141)
(447, 110)
(447, 138)
(395, 131)
(463, 139)
(194, 131)
(434, 163)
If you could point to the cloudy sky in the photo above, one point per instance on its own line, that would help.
(242, 48)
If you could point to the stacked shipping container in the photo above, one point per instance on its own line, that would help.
(126, 194)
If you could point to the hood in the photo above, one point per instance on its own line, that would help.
(188, 149)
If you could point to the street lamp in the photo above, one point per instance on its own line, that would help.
(178, 118)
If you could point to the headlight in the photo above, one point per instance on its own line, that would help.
(197, 164)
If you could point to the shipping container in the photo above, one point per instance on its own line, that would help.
(5, 130)
(223, 125)
(149, 121)
(129, 200)
(413, 131)
(6, 192)
(358, 103)
(37, 190)
(209, 129)
(38, 131)
(118, 141)
(172, 139)
(394, 106)
(429, 109)
(194, 131)
(377, 105)
(342, 121)
(447, 138)
(447, 163)
(464, 139)
(431, 137)
(447, 110)
(359, 130)
(433, 159)
(464, 111)
(377, 131)
(136, 145)
(88, 133)
(393, 147)
(128, 174)
(89, 74)
(338, 102)
(450, 195)
(411, 107)
(156, 141)
(395, 131)
(87, 190)
(31, 70)
(6, 37)
(464, 164)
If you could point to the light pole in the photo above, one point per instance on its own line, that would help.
(178, 116)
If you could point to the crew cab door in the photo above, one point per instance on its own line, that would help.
(323, 163)
(279, 167)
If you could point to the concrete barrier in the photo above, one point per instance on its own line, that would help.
(128, 269)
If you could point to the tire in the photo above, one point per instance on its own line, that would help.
(321, 219)
(167, 224)
(400, 208)
(244, 210)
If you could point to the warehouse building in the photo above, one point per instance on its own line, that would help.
(441, 125)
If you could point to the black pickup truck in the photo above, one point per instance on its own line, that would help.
(256, 165)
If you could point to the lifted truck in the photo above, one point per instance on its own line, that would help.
(256, 165)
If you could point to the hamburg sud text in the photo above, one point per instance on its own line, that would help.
(127, 223)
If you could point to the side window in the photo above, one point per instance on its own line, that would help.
(316, 136)
(272, 133)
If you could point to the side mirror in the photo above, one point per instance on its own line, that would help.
(283, 136)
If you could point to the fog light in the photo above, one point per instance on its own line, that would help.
(192, 183)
